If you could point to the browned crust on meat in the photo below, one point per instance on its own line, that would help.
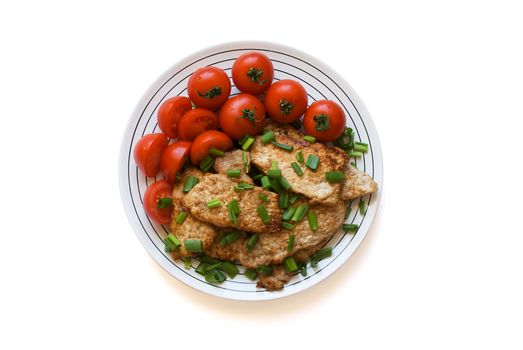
(233, 160)
(218, 186)
(276, 280)
(230, 252)
(178, 186)
(357, 183)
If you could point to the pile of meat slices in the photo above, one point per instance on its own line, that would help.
(326, 199)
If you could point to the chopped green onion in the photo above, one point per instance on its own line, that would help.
(213, 266)
(347, 212)
(180, 217)
(361, 147)
(243, 186)
(273, 173)
(320, 255)
(297, 169)
(287, 225)
(193, 245)
(287, 214)
(250, 274)
(247, 144)
(187, 262)
(276, 186)
(300, 212)
(268, 137)
(361, 206)
(264, 269)
(303, 270)
(299, 157)
(355, 154)
(283, 200)
(350, 227)
(208, 260)
(334, 176)
(235, 206)
(189, 183)
(313, 220)
(309, 138)
(164, 203)
(264, 215)
(263, 197)
(231, 209)
(296, 124)
(234, 173)
(230, 238)
(171, 242)
(229, 268)
(265, 182)
(285, 184)
(290, 264)
(290, 243)
(178, 176)
(207, 163)
(351, 143)
(284, 147)
(344, 141)
(257, 177)
(214, 276)
(251, 242)
(201, 268)
(216, 152)
(215, 203)
(294, 198)
(312, 162)
(274, 165)
(243, 139)
(245, 162)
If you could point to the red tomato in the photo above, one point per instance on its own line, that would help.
(196, 121)
(158, 190)
(241, 115)
(148, 151)
(286, 101)
(209, 87)
(325, 120)
(252, 72)
(173, 158)
(170, 113)
(207, 140)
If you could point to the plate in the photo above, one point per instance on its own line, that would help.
(321, 82)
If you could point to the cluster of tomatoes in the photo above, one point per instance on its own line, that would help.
(209, 119)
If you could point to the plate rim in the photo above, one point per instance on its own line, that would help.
(344, 256)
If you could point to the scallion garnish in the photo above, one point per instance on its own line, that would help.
(193, 245)
(290, 243)
(245, 162)
(300, 212)
(229, 268)
(350, 227)
(178, 176)
(320, 255)
(214, 276)
(207, 163)
(250, 274)
(294, 198)
(283, 200)
(180, 217)
(264, 215)
(234, 173)
(361, 147)
(287, 214)
(297, 169)
(263, 197)
(215, 203)
(235, 206)
(347, 212)
(312, 162)
(290, 264)
(268, 137)
(361, 206)
(274, 173)
(187, 262)
(299, 157)
(164, 203)
(355, 154)
(189, 183)
(344, 141)
(243, 139)
(233, 209)
(285, 184)
(257, 177)
(284, 147)
(201, 268)
(287, 225)
(276, 186)
(274, 165)
(243, 186)
(264, 269)
(247, 144)
(215, 152)
(208, 260)
(251, 242)
(313, 220)
(334, 176)
(309, 138)
(171, 242)
(265, 182)
(230, 237)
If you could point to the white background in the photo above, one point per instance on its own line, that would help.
(442, 264)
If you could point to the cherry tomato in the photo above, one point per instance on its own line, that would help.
(325, 120)
(196, 121)
(209, 87)
(241, 115)
(170, 113)
(158, 190)
(173, 158)
(207, 140)
(252, 72)
(148, 151)
(286, 101)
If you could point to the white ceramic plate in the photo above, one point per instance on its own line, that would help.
(321, 82)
